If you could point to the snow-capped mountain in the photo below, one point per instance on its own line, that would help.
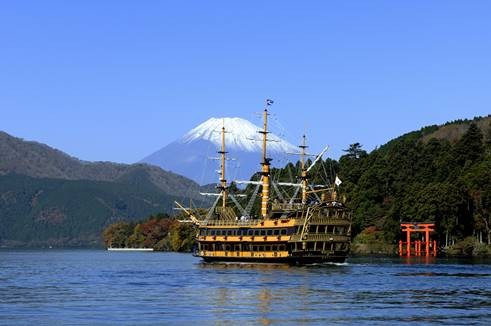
(192, 155)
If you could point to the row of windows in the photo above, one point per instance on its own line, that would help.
(247, 232)
(242, 247)
(320, 246)
(323, 229)
(309, 246)
(328, 229)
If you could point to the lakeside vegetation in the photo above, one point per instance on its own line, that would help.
(160, 232)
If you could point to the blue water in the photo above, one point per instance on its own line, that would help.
(91, 287)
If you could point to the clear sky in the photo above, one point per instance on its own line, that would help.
(117, 80)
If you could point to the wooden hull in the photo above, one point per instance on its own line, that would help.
(300, 260)
(297, 258)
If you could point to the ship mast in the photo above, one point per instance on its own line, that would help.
(223, 182)
(303, 175)
(265, 163)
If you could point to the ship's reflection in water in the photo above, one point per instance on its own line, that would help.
(278, 290)
(378, 290)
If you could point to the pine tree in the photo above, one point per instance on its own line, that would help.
(470, 147)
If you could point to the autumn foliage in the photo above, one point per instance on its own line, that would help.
(159, 232)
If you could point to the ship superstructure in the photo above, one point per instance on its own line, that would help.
(314, 228)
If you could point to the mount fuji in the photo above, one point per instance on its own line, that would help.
(195, 154)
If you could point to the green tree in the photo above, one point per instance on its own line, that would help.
(469, 148)
(355, 151)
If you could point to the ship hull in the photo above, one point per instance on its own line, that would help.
(291, 260)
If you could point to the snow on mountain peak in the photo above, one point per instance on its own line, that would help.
(240, 133)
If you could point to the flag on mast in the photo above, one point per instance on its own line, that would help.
(338, 181)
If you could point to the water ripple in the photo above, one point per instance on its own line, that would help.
(96, 287)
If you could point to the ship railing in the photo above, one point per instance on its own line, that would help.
(286, 206)
(239, 222)
(320, 237)
(329, 221)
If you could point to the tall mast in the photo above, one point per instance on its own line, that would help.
(303, 174)
(223, 182)
(265, 165)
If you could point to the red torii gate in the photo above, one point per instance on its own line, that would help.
(417, 227)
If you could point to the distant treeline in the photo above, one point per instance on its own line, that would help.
(160, 232)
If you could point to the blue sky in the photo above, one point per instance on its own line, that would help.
(117, 80)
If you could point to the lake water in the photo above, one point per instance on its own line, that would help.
(95, 287)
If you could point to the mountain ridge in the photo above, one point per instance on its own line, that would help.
(39, 160)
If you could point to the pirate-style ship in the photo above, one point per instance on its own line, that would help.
(314, 228)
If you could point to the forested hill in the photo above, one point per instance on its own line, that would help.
(439, 173)
(41, 161)
(49, 198)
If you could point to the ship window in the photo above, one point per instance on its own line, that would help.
(276, 232)
(237, 248)
(274, 247)
(263, 232)
(250, 232)
(282, 247)
(267, 248)
(229, 232)
(270, 232)
(227, 247)
(322, 229)
(283, 231)
(256, 232)
(212, 232)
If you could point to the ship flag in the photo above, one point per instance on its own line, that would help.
(338, 181)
